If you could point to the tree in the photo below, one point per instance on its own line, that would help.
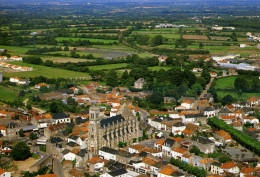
(241, 83)
(157, 40)
(228, 99)
(20, 151)
(200, 45)
(55, 108)
(21, 133)
(120, 144)
(33, 136)
(29, 107)
(48, 63)
(111, 78)
(43, 89)
(66, 48)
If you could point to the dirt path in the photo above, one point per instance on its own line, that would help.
(23, 166)
(40, 111)
(205, 91)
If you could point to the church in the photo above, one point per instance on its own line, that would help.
(108, 132)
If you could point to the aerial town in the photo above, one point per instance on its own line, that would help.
(147, 89)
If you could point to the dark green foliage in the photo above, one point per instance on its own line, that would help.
(196, 151)
(21, 133)
(111, 78)
(33, 136)
(20, 151)
(33, 60)
(200, 172)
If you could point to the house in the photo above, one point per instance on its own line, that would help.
(228, 119)
(215, 168)
(154, 152)
(3, 113)
(3, 130)
(246, 171)
(139, 84)
(15, 79)
(3, 57)
(225, 112)
(96, 164)
(4, 173)
(188, 158)
(108, 153)
(177, 153)
(195, 70)
(156, 122)
(23, 82)
(223, 136)
(82, 97)
(38, 86)
(209, 112)
(169, 171)
(213, 74)
(230, 167)
(204, 144)
(167, 146)
(60, 118)
(71, 155)
(253, 101)
(205, 163)
(162, 58)
(16, 58)
(177, 128)
(136, 148)
(75, 90)
(188, 133)
(120, 173)
(187, 104)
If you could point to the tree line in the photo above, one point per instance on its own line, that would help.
(244, 139)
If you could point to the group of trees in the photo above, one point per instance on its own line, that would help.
(240, 137)
(39, 51)
(200, 172)
(247, 84)
(145, 40)
(179, 51)
(85, 43)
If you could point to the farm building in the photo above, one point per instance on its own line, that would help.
(240, 66)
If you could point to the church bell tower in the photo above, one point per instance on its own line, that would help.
(94, 122)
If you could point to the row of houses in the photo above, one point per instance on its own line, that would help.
(15, 67)
(14, 58)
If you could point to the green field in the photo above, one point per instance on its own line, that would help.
(108, 67)
(157, 68)
(48, 72)
(91, 40)
(6, 94)
(244, 96)
(225, 82)
(228, 83)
